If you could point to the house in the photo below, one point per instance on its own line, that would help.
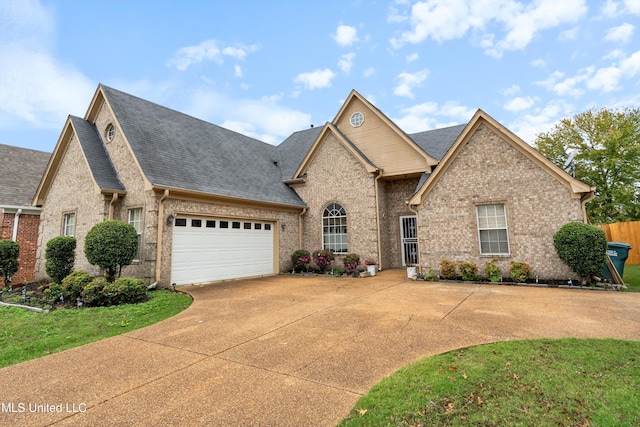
(20, 173)
(211, 204)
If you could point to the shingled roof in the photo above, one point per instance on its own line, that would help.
(21, 170)
(437, 142)
(94, 150)
(179, 151)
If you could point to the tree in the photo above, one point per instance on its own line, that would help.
(9, 251)
(111, 245)
(60, 255)
(583, 247)
(607, 146)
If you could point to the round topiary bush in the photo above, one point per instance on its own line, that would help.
(111, 245)
(60, 255)
(74, 283)
(9, 251)
(582, 247)
(93, 294)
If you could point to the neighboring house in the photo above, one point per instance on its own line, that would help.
(20, 172)
(210, 204)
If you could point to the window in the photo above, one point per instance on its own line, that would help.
(492, 229)
(110, 132)
(211, 223)
(257, 226)
(267, 227)
(135, 219)
(69, 224)
(247, 226)
(334, 228)
(224, 224)
(181, 222)
(357, 119)
(196, 223)
(235, 224)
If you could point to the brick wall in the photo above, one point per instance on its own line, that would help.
(489, 170)
(335, 175)
(27, 238)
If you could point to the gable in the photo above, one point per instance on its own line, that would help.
(578, 189)
(381, 141)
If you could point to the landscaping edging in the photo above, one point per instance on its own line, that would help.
(26, 307)
(533, 285)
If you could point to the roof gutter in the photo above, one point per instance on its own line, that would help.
(586, 198)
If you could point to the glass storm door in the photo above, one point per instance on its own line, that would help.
(409, 240)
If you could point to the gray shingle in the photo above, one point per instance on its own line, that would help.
(178, 150)
(21, 170)
(95, 152)
(292, 151)
(437, 142)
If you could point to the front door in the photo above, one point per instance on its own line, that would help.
(409, 240)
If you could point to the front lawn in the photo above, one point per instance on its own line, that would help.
(565, 382)
(26, 335)
(632, 277)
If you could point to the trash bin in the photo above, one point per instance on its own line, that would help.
(618, 252)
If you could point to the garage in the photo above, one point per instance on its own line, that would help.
(209, 249)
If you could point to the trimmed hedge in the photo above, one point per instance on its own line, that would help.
(60, 255)
(582, 247)
(74, 283)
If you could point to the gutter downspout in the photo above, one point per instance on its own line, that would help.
(415, 212)
(304, 211)
(14, 235)
(159, 236)
(114, 199)
(378, 218)
(584, 200)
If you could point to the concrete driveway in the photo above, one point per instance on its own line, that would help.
(290, 351)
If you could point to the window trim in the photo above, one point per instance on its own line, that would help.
(130, 210)
(333, 242)
(480, 229)
(65, 223)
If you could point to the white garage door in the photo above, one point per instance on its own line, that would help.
(211, 249)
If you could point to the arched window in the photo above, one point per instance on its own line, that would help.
(334, 228)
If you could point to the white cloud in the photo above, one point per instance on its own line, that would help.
(632, 6)
(430, 115)
(409, 81)
(208, 50)
(413, 57)
(316, 79)
(605, 79)
(346, 62)
(571, 34)
(443, 20)
(237, 71)
(529, 126)
(345, 35)
(610, 9)
(520, 103)
(510, 91)
(264, 119)
(631, 66)
(621, 33)
(538, 63)
(369, 72)
(35, 87)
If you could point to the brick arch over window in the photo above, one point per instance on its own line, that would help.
(334, 228)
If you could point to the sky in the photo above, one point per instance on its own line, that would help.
(267, 68)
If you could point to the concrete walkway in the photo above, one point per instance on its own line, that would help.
(290, 351)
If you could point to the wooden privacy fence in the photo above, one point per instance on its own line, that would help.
(627, 232)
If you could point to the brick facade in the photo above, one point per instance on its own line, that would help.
(27, 238)
(489, 170)
(335, 175)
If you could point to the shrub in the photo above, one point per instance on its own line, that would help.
(54, 292)
(111, 245)
(519, 271)
(125, 290)
(74, 283)
(60, 255)
(447, 269)
(322, 258)
(492, 271)
(9, 251)
(468, 270)
(300, 260)
(351, 262)
(93, 294)
(582, 247)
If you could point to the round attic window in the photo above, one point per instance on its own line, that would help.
(110, 132)
(357, 119)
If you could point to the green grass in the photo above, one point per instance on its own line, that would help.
(632, 277)
(566, 382)
(26, 335)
